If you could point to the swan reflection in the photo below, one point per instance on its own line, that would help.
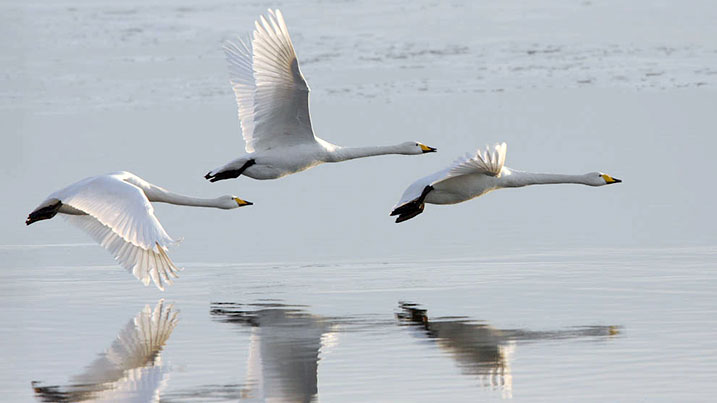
(482, 350)
(286, 343)
(130, 370)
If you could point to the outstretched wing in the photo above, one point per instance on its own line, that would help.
(144, 264)
(272, 95)
(488, 162)
(121, 219)
(241, 74)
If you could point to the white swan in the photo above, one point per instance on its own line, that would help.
(475, 175)
(273, 101)
(115, 210)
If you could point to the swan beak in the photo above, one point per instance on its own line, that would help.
(609, 179)
(241, 202)
(427, 149)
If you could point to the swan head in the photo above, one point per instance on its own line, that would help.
(414, 147)
(232, 202)
(600, 179)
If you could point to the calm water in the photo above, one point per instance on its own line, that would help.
(546, 293)
(593, 325)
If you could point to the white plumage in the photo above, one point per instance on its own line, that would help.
(488, 162)
(273, 104)
(115, 210)
(476, 174)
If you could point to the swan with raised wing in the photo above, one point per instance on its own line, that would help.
(273, 101)
(477, 174)
(116, 211)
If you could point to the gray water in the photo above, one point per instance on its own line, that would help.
(543, 293)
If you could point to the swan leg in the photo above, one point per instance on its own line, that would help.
(44, 213)
(230, 174)
(412, 208)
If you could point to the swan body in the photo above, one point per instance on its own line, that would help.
(475, 175)
(273, 103)
(116, 211)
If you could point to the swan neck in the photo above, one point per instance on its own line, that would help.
(349, 153)
(520, 179)
(161, 195)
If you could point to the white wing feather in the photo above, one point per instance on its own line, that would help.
(241, 73)
(121, 206)
(145, 264)
(121, 219)
(272, 95)
(488, 162)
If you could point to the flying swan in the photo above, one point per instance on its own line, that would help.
(475, 175)
(273, 101)
(115, 210)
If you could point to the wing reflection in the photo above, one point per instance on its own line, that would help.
(131, 368)
(285, 346)
(482, 350)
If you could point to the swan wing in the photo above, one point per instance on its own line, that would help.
(121, 206)
(487, 162)
(415, 189)
(241, 76)
(144, 264)
(271, 93)
(121, 219)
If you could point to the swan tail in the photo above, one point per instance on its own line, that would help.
(228, 171)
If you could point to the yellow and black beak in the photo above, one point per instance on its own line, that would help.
(609, 179)
(241, 202)
(427, 149)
